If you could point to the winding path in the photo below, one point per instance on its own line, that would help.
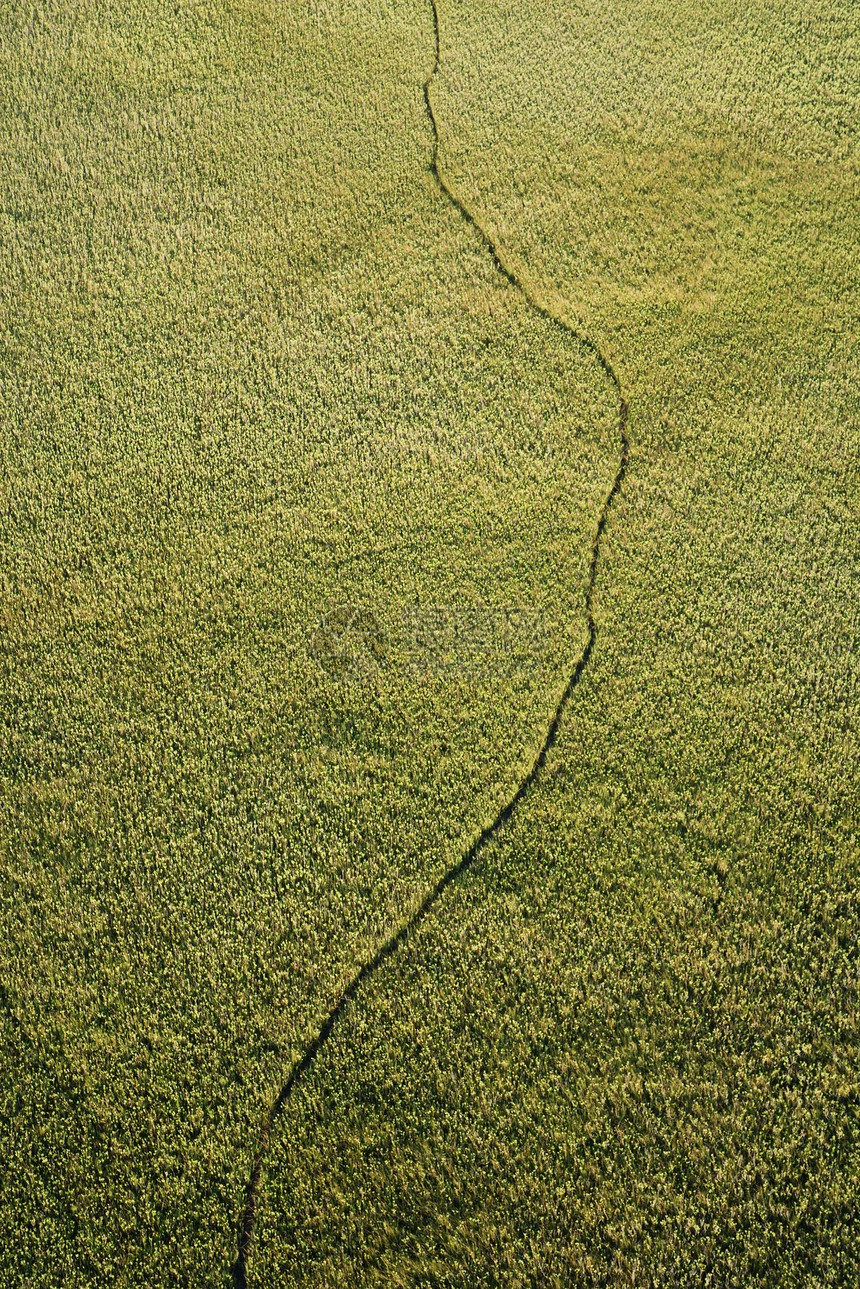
(391, 945)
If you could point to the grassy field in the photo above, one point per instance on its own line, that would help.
(297, 502)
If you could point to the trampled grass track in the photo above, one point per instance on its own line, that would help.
(390, 946)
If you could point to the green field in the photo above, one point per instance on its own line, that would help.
(298, 498)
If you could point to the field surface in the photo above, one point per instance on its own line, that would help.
(299, 491)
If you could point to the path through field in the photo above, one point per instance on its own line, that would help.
(391, 945)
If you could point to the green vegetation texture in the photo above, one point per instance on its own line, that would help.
(262, 388)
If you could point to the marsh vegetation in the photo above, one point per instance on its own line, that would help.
(267, 403)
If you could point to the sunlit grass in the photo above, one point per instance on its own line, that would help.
(255, 373)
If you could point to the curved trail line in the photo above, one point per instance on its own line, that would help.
(391, 945)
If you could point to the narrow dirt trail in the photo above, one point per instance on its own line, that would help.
(390, 946)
